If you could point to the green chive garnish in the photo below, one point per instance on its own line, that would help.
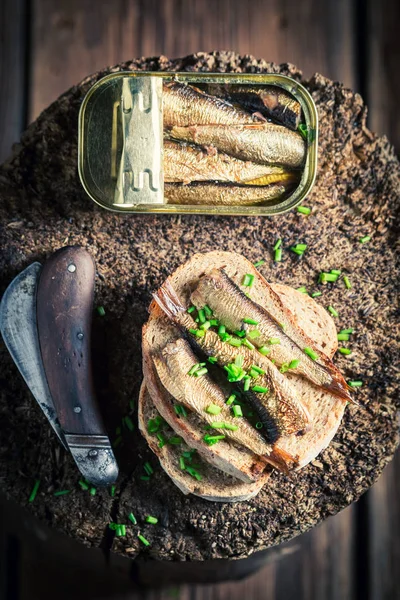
(310, 352)
(343, 337)
(349, 331)
(237, 410)
(207, 311)
(248, 344)
(364, 239)
(347, 282)
(258, 370)
(345, 351)
(264, 350)
(205, 326)
(145, 478)
(278, 255)
(194, 473)
(304, 210)
(284, 368)
(175, 440)
(316, 294)
(259, 263)
(253, 334)
(221, 329)
(132, 518)
(230, 427)
(213, 409)
(180, 410)
(333, 311)
(246, 383)
(303, 130)
(112, 491)
(302, 289)
(201, 372)
(253, 373)
(212, 360)
(143, 540)
(217, 425)
(120, 531)
(235, 342)
(83, 485)
(278, 244)
(101, 311)
(182, 465)
(161, 440)
(260, 389)
(62, 493)
(273, 341)
(191, 309)
(213, 439)
(129, 423)
(355, 383)
(93, 491)
(151, 520)
(248, 280)
(324, 277)
(231, 399)
(294, 363)
(239, 359)
(148, 468)
(259, 425)
(250, 321)
(299, 249)
(202, 316)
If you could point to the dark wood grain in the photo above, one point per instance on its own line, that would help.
(13, 15)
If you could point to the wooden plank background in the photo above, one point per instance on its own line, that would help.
(48, 45)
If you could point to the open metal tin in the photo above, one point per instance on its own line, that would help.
(121, 148)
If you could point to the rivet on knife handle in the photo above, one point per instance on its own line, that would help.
(64, 314)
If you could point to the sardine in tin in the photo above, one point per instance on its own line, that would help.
(201, 143)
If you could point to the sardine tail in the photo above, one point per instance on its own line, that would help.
(338, 387)
(168, 301)
(282, 460)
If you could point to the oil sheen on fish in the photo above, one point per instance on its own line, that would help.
(279, 409)
(209, 194)
(184, 105)
(173, 364)
(259, 142)
(231, 306)
(271, 101)
(184, 163)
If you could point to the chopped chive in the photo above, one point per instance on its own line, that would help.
(304, 210)
(230, 427)
(259, 425)
(250, 321)
(225, 337)
(132, 518)
(259, 263)
(310, 352)
(213, 439)
(201, 372)
(246, 383)
(302, 289)
(239, 360)
(62, 493)
(154, 425)
(101, 311)
(274, 341)
(349, 331)
(83, 485)
(129, 423)
(148, 468)
(260, 389)
(253, 373)
(194, 473)
(278, 244)
(240, 333)
(175, 440)
(145, 478)
(180, 410)
(253, 334)
(93, 491)
(182, 465)
(191, 309)
(278, 255)
(258, 370)
(364, 239)
(202, 316)
(343, 337)
(324, 277)
(231, 399)
(316, 294)
(207, 310)
(205, 326)
(333, 311)
(213, 409)
(299, 249)
(248, 344)
(264, 350)
(284, 368)
(248, 280)
(143, 540)
(113, 526)
(151, 520)
(237, 410)
(214, 322)
(355, 383)
(193, 369)
(212, 360)
(345, 351)
(161, 440)
(112, 491)
(221, 329)
(120, 531)
(294, 363)
(303, 130)
(217, 425)
(236, 342)
(347, 282)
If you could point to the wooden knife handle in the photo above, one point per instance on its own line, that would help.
(64, 314)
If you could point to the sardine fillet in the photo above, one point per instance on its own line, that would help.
(209, 194)
(260, 143)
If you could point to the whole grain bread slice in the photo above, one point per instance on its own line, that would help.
(325, 409)
(214, 485)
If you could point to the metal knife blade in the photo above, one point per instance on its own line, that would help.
(19, 331)
(64, 314)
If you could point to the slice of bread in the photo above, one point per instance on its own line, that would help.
(214, 485)
(325, 409)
